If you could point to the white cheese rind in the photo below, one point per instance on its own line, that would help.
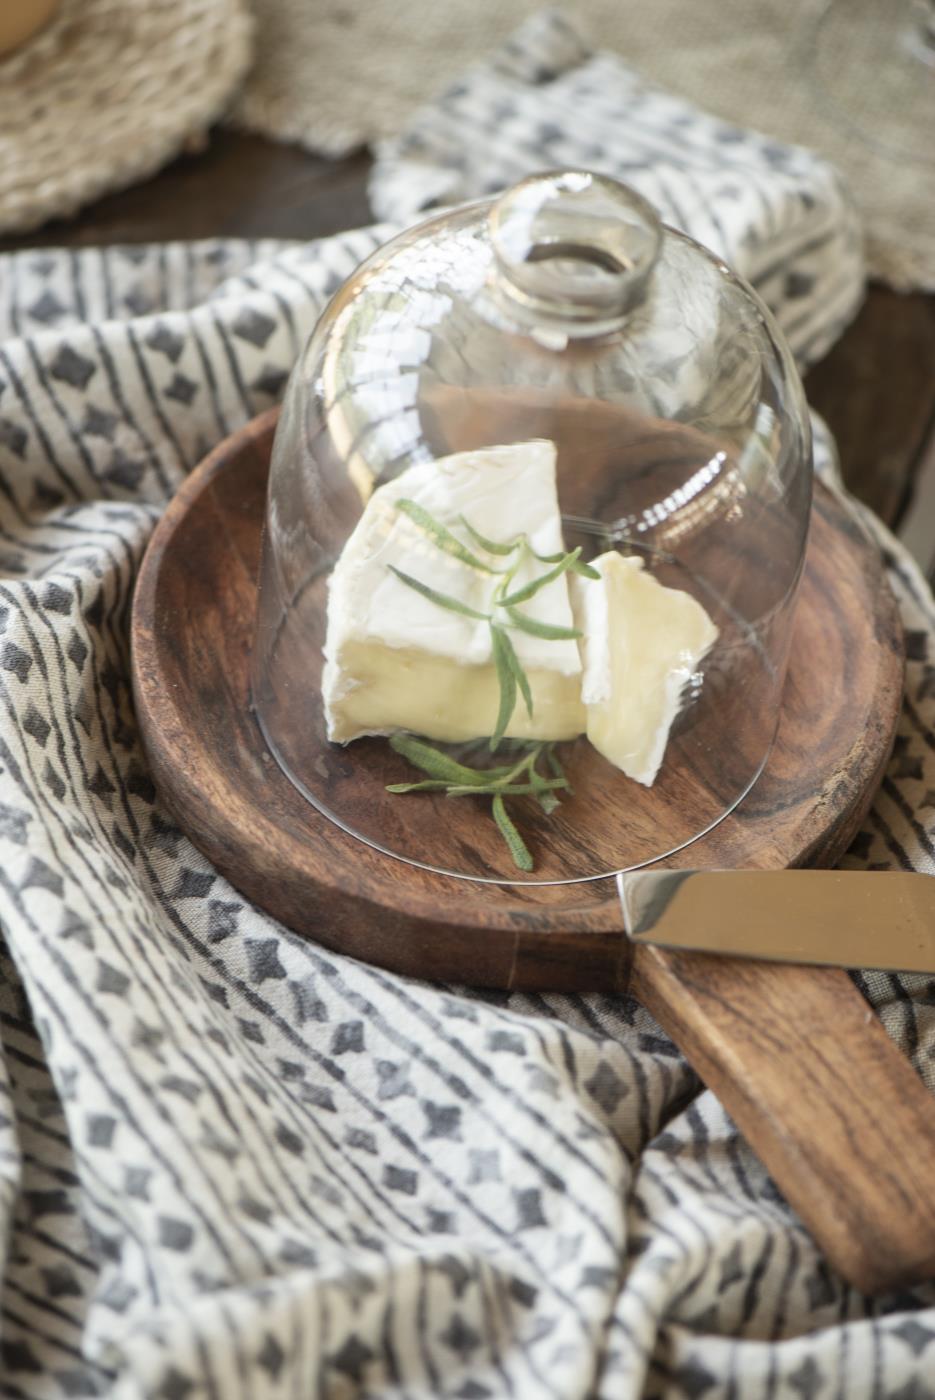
(642, 642)
(397, 660)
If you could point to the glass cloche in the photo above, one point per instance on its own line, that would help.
(537, 515)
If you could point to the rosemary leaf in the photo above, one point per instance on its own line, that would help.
(554, 762)
(507, 789)
(441, 536)
(491, 546)
(529, 590)
(577, 567)
(515, 665)
(444, 600)
(429, 785)
(547, 801)
(546, 630)
(518, 848)
(438, 765)
(506, 679)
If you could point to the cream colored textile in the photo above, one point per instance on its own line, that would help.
(334, 74)
(107, 93)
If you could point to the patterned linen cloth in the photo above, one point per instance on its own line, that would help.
(235, 1165)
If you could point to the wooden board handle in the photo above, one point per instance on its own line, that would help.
(832, 1108)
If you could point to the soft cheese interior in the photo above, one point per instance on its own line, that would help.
(396, 660)
(641, 643)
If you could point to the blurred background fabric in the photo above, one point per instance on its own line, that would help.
(337, 74)
(106, 93)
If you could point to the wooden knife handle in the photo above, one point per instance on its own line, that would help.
(835, 1112)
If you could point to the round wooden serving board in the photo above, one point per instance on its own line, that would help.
(192, 634)
(794, 1053)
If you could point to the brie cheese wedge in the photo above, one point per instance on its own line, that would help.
(395, 659)
(642, 642)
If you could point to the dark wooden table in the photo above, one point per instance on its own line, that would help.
(876, 388)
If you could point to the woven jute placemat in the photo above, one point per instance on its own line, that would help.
(339, 74)
(108, 92)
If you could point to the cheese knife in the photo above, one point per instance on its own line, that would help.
(832, 918)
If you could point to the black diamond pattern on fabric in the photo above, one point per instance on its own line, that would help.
(216, 991)
(506, 1041)
(263, 960)
(13, 436)
(125, 471)
(271, 1356)
(175, 1234)
(52, 781)
(72, 368)
(289, 1140)
(139, 301)
(606, 1087)
(101, 1129)
(916, 1336)
(182, 389)
(14, 824)
(458, 1275)
(318, 1095)
(222, 919)
(47, 308)
(400, 1179)
(251, 325)
(77, 651)
(166, 341)
(136, 1182)
(442, 1121)
(348, 1038)
(529, 1213)
(807, 1380)
(42, 877)
(459, 1337)
(110, 980)
(270, 381)
(694, 1379)
(175, 1385)
(15, 660)
(353, 1358)
(308, 1004)
(394, 1080)
(99, 423)
(361, 1139)
(102, 787)
(192, 884)
(56, 599)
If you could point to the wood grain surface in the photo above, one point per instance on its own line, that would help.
(795, 1054)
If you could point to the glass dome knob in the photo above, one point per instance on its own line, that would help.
(574, 248)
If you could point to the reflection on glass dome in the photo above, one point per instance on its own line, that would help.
(537, 515)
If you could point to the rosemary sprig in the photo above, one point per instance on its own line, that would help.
(444, 600)
(441, 536)
(511, 677)
(519, 779)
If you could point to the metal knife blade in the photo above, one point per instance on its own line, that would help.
(839, 918)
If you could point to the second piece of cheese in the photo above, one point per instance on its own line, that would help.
(642, 643)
